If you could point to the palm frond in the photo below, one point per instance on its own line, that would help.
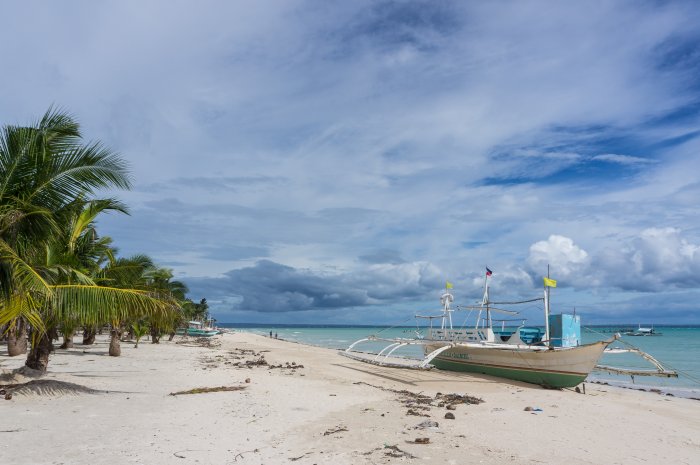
(88, 214)
(24, 275)
(83, 169)
(97, 304)
(21, 306)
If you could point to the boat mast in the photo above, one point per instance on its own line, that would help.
(546, 310)
(485, 303)
(486, 300)
(445, 300)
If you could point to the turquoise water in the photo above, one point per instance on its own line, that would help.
(677, 348)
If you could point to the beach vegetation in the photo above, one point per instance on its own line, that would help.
(160, 282)
(139, 330)
(56, 272)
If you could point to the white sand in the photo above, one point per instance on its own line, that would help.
(282, 414)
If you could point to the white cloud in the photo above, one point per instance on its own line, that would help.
(310, 135)
(658, 259)
(560, 253)
(622, 159)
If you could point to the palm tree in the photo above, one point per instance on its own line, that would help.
(78, 251)
(43, 169)
(129, 273)
(160, 282)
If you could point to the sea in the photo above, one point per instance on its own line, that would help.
(676, 347)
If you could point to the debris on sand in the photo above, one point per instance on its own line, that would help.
(419, 441)
(394, 451)
(427, 424)
(452, 399)
(419, 403)
(205, 390)
(338, 429)
(257, 362)
(237, 353)
(194, 341)
(287, 365)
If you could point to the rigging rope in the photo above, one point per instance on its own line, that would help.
(519, 302)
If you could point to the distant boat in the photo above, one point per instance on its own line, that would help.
(197, 329)
(643, 332)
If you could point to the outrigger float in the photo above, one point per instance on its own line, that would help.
(554, 358)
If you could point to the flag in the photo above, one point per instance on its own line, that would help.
(448, 285)
(550, 282)
(488, 272)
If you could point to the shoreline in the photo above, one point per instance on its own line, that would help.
(674, 391)
(307, 406)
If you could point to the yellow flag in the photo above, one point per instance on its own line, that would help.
(550, 282)
(448, 285)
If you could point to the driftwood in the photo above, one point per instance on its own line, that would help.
(205, 390)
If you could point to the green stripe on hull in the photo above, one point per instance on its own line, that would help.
(543, 378)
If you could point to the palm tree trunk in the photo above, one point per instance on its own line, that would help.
(115, 349)
(155, 336)
(89, 333)
(68, 339)
(171, 336)
(38, 357)
(17, 339)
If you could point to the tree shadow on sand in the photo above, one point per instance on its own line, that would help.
(48, 387)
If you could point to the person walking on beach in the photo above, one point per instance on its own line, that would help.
(270, 334)
(275, 335)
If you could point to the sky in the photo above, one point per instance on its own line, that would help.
(338, 162)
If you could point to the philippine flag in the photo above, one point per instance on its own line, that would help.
(488, 272)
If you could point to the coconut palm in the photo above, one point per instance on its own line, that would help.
(125, 273)
(43, 169)
(78, 251)
(160, 282)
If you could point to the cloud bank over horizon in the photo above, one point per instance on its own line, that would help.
(339, 161)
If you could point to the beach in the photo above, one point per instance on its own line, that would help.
(291, 403)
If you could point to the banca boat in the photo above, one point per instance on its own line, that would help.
(643, 332)
(197, 329)
(554, 358)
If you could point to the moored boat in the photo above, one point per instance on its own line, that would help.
(549, 367)
(643, 332)
(197, 329)
(554, 358)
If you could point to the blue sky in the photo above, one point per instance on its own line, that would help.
(337, 162)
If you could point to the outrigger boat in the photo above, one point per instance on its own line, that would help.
(197, 329)
(643, 332)
(554, 358)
